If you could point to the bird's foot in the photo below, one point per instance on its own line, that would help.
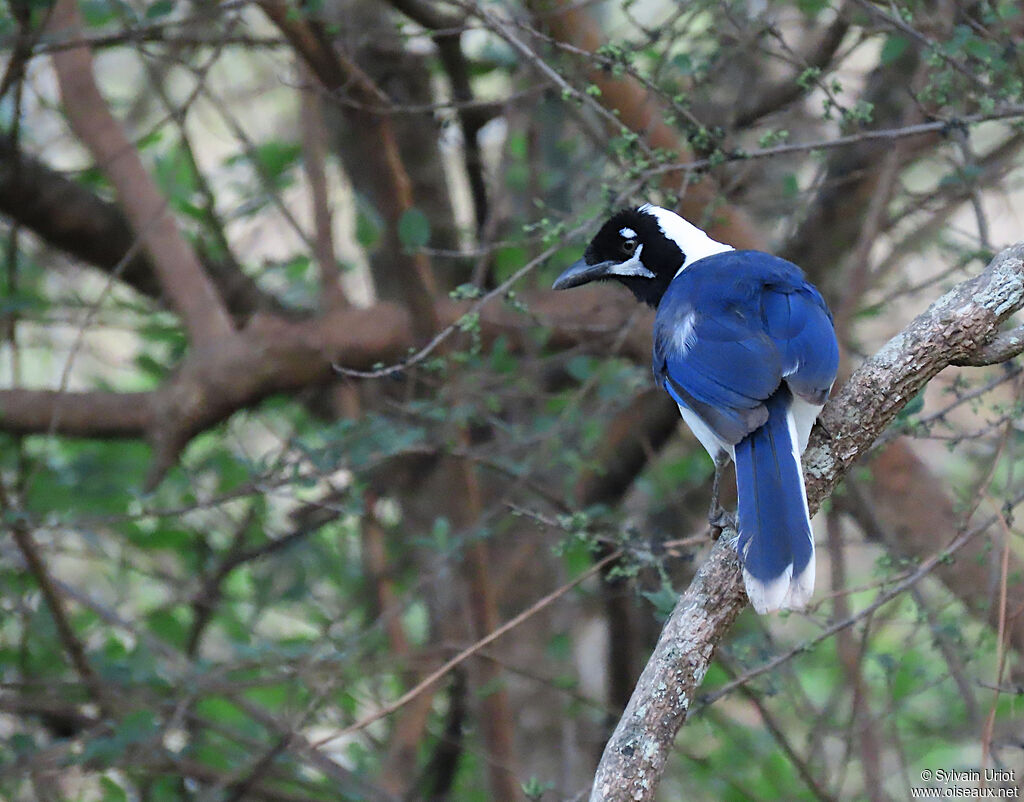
(720, 519)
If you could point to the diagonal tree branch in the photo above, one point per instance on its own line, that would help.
(68, 216)
(773, 97)
(1003, 347)
(70, 641)
(957, 325)
(848, 203)
(181, 276)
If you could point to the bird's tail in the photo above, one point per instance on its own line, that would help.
(776, 544)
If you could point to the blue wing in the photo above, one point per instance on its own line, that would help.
(731, 328)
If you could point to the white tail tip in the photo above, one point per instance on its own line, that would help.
(785, 592)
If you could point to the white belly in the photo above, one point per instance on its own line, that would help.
(712, 443)
(801, 418)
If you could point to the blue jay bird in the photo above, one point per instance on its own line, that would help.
(744, 344)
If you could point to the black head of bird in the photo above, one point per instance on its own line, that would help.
(642, 248)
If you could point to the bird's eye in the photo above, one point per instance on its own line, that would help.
(628, 246)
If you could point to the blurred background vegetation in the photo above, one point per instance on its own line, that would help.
(289, 419)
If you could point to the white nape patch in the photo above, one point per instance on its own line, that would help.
(712, 443)
(693, 242)
(627, 233)
(632, 266)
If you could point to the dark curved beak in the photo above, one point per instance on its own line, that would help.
(580, 273)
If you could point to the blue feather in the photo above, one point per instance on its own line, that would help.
(741, 340)
(775, 544)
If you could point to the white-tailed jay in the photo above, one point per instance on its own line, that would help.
(744, 344)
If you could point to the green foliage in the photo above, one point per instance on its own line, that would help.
(158, 9)
(535, 789)
(369, 224)
(663, 600)
(261, 172)
(894, 47)
(98, 12)
(174, 173)
(413, 229)
(308, 559)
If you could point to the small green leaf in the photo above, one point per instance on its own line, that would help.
(1009, 10)
(161, 8)
(137, 726)
(894, 47)
(170, 625)
(559, 646)
(535, 789)
(413, 228)
(97, 12)
(368, 225)
(416, 623)
(469, 322)
(808, 77)
(811, 7)
(684, 63)
(912, 407)
(582, 367)
(664, 600)
(465, 292)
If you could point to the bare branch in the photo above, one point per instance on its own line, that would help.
(68, 216)
(277, 356)
(638, 750)
(496, 718)
(965, 319)
(314, 147)
(78, 414)
(468, 652)
(772, 98)
(73, 646)
(1003, 347)
(189, 289)
(814, 785)
(472, 116)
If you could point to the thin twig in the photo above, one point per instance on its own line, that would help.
(55, 602)
(447, 331)
(1009, 112)
(468, 652)
(990, 721)
(182, 277)
(883, 598)
(777, 731)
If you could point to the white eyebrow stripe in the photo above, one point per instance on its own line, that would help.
(628, 233)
